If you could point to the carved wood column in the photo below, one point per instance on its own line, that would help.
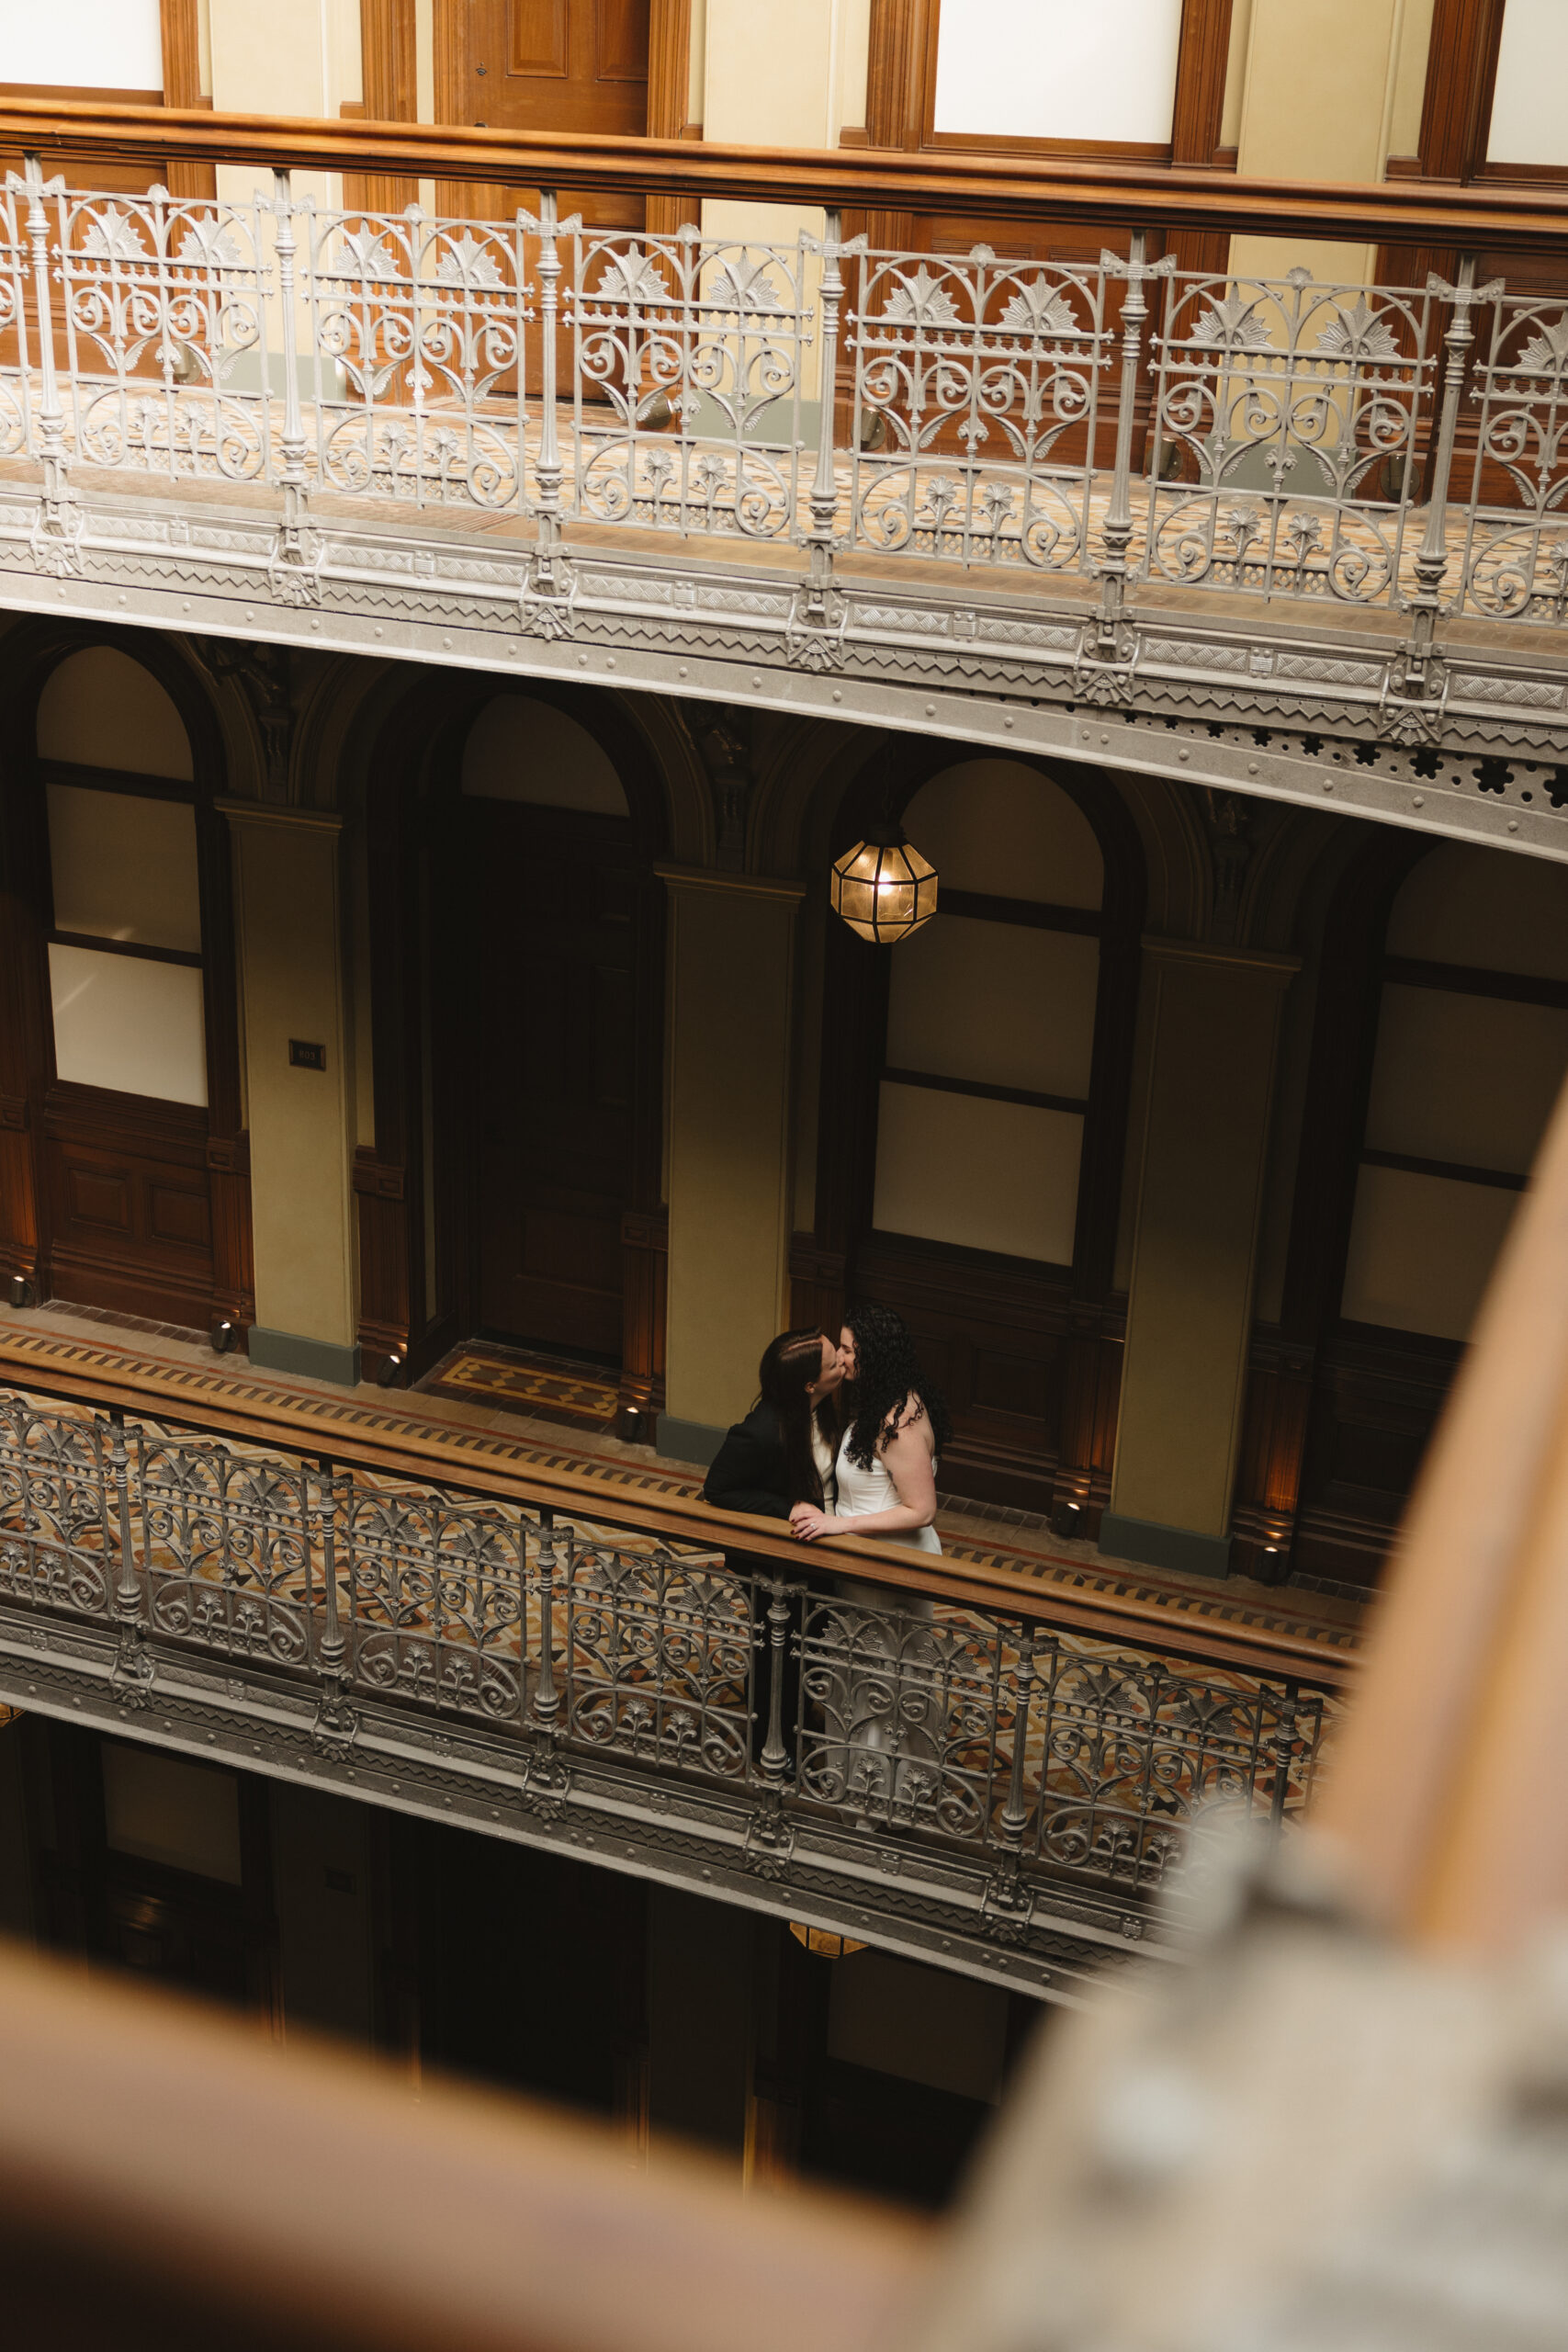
(182, 87)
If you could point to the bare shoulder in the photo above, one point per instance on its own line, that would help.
(907, 1420)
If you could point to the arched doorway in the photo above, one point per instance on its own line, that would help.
(547, 938)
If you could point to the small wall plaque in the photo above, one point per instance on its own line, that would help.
(304, 1056)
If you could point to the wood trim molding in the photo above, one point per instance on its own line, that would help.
(1462, 72)
(181, 30)
(389, 78)
(1199, 105)
(669, 103)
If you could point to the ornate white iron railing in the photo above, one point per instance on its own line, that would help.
(1124, 420)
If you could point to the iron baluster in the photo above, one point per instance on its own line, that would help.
(59, 521)
(1117, 531)
(1284, 1753)
(775, 1759)
(550, 572)
(824, 504)
(1432, 562)
(336, 1722)
(132, 1665)
(292, 550)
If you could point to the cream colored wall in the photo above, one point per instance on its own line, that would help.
(732, 948)
(779, 74)
(1323, 91)
(288, 909)
(297, 57)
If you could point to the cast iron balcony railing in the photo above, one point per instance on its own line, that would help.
(1044, 1752)
(1127, 424)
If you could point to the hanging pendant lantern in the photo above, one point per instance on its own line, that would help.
(885, 889)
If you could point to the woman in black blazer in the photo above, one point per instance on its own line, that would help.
(770, 1461)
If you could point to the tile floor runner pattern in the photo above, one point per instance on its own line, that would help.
(520, 1383)
(908, 1720)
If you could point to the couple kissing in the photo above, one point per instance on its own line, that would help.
(842, 1439)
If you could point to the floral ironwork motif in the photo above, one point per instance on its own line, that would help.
(977, 400)
(1271, 437)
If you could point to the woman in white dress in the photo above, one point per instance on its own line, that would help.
(876, 1671)
(893, 1424)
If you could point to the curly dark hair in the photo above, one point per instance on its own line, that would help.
(886, 1371)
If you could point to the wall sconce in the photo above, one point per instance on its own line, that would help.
(883, 888)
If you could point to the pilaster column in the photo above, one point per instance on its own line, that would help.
(1215, 1021)
(732, 956)
(298, 1075)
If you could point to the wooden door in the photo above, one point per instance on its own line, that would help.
(553, 1028)
(560, 65)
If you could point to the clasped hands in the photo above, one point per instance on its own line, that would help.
(806, 1523)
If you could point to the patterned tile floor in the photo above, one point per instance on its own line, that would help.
(968, 1533)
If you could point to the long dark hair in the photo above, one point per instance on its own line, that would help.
(790, 1363)
(886, 1371)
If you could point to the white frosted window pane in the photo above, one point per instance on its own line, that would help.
(982, 1175)
(992, 825)
(170, 1811)
(1422, 1250)
(127, 1022)
(124, 868)
(1530, 118)
(1471, 1079)
(84, 44)
(1057, 69)
(995, 1001)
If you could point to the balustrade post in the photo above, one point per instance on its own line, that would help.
(775, 1759)
(546, 1777)
(824, 504)
(132, 1675)
(1117, 530)
(292, 550)
(548, 574)
(59, 520)
(1009, 1903)
(1284, 1747)
(1432, 562)
(336, 1722)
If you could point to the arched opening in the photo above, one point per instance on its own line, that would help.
(123, 1033)
(518, 937)
(973, 1118)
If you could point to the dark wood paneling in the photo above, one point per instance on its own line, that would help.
(993, 1333)
(128, 1205)
(1376, 1399)
(645, 1273)
(424, 962)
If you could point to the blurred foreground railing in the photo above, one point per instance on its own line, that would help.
(1131, 423)
(941, 1717)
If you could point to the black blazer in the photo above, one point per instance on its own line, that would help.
(748, 1470)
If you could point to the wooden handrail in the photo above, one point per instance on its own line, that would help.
(456, 1458)
(985, 186)
(167, 2174)
(1449, 1795)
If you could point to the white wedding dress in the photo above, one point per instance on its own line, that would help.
(879, 1700)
